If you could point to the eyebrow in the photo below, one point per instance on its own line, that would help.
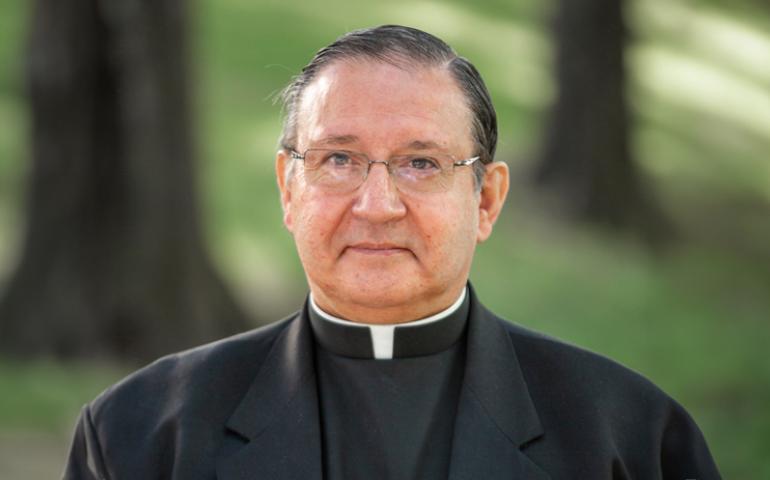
(338, 140)
(423, 145)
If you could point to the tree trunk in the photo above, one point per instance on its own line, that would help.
(586, 160)
(113, 262)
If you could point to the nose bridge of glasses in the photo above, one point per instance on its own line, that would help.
(371, 163)
(378, 195)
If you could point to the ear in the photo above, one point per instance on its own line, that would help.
(282, 161)
(494, 189)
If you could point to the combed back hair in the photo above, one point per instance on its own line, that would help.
(403, 47)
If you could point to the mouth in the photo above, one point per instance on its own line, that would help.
(377, 249)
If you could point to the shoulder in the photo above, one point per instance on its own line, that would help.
(204, 383)
(597, 407)
(583, 379)
(169, 416)
(549, 363)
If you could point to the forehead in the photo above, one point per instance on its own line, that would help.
(379, 104)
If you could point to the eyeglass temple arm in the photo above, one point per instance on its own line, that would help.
(463, 163)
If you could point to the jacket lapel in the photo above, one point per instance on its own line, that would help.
(495, 415)
(275, 431)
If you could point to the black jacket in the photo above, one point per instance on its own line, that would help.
(246, 407)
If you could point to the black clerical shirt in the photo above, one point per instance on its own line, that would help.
(388, 395)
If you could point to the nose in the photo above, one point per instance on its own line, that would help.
(378, 200)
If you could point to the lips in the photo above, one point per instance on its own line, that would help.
(383, 249)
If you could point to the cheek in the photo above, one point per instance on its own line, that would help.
(315, 221)
(449, 233)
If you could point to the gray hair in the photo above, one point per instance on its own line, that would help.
(399, 45)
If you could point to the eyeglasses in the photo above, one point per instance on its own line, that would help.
(344, 171)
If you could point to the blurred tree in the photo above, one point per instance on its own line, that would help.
(586, 160)
(113, 261)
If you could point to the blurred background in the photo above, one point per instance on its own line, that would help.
(139, 213)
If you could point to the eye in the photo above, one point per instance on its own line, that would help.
(338, 159)
(423, 163)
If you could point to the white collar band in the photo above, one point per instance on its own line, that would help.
(383, 336)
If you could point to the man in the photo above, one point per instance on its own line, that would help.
(392, 369)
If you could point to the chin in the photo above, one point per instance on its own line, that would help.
(379, 292)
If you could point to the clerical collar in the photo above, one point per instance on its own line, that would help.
(421, 337)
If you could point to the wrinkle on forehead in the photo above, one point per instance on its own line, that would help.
(377, 94)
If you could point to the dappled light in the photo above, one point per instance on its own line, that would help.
(730, 43)
(517, 50)
(702, 86)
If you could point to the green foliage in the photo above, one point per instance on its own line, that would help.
(47, 396)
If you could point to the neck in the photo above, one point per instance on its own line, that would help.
(387, 315)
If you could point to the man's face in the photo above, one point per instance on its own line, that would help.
(378, 254)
